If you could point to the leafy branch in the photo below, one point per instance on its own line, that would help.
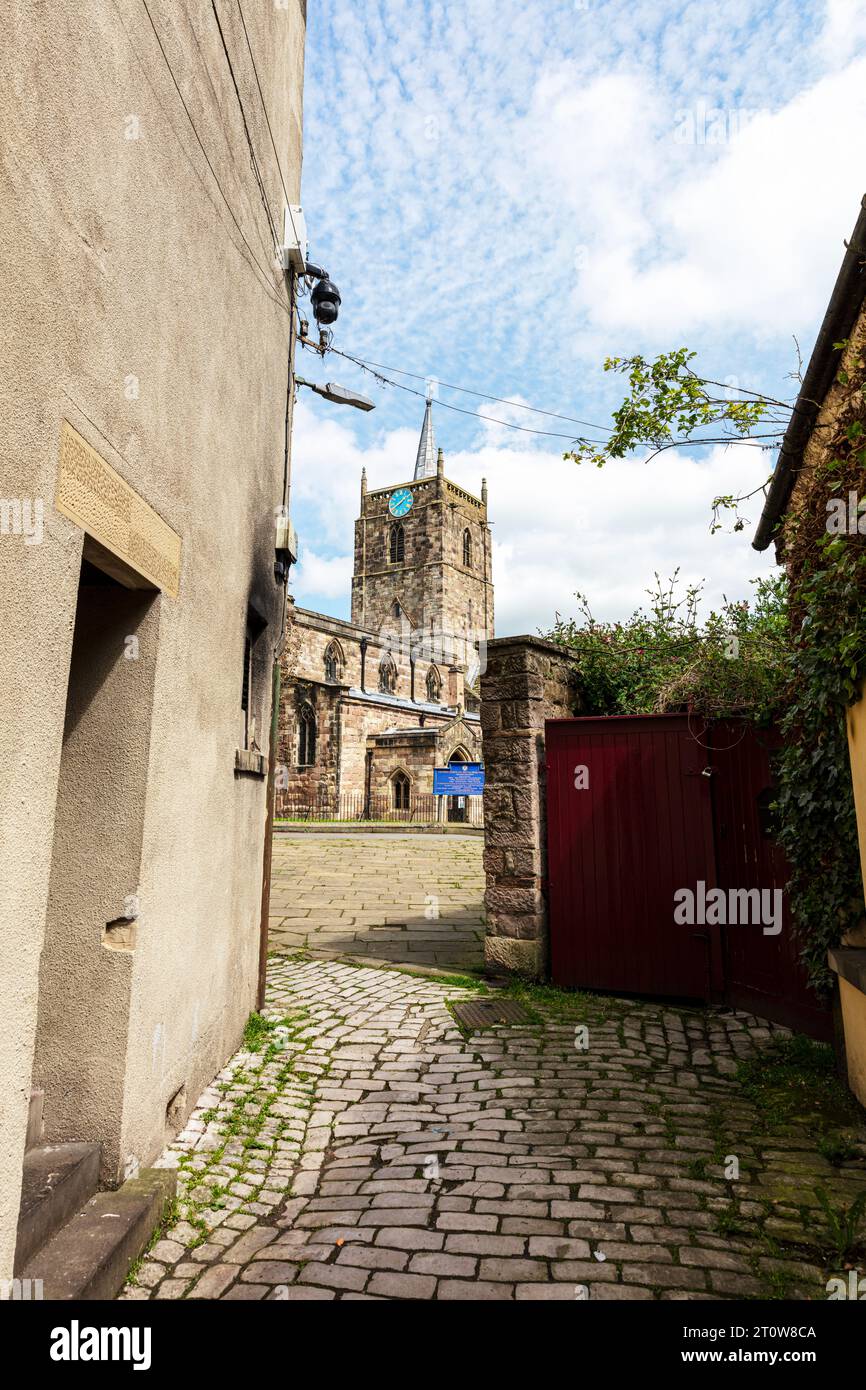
(669, 406)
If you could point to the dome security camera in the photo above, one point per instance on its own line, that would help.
(325, 299)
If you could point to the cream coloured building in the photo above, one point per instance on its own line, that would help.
(143, 416)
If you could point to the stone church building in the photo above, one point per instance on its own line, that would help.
(369, 707)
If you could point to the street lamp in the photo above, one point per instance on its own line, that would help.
(340, 395)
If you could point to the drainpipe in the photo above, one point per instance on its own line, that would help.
(269, 833)
(368, 777)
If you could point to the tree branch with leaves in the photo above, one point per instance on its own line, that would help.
(669, 406)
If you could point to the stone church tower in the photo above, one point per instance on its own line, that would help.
(423, 559)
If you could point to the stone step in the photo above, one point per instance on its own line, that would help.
(58, 1179)
(90, 1257)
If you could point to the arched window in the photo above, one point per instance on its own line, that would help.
(467, 548)
(434, 685)
(398, 545)
(401, 788)
(387, 675)
(333, 661)
(306, 736)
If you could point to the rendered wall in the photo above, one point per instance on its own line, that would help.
(134, 308)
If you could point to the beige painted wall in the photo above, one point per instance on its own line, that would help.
(132, 308)
(857, 751)
(853, 1003)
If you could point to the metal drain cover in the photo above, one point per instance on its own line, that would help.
(486, 1013)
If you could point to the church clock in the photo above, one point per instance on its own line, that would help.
(400, 502)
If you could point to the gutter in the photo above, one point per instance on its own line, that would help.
(845, 304)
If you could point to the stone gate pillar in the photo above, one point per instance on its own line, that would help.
(526, 681)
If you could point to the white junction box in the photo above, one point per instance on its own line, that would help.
(294, 239)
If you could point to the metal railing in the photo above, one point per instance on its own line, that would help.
(422, 809)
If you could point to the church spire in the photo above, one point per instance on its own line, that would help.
(425, 463)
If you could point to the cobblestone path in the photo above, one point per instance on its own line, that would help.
(413, 899)
(370, 1150)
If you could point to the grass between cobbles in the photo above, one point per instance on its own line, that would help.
(789, 1088)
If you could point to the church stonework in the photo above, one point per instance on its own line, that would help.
(369, 707)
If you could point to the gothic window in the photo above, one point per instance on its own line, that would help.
(401, 785)
(387, 675)
(467, 549)
(306, 736)
(333, 662)
(398, 545)
(434, 685)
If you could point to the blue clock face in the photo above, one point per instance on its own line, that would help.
(400, 502)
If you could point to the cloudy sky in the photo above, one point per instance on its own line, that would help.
(507, 192)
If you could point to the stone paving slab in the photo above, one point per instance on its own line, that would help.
(371, 1150)
(408, 899)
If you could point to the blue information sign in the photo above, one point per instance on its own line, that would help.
(461, 779)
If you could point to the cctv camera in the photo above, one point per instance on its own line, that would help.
(325, 299)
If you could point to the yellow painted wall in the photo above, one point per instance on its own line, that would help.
(857, 751)
(854, 1020)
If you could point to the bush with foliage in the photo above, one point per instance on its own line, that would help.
(665, 658)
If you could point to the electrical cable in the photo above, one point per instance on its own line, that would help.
(253, 161)
(378, 373)
(467, 391)
(446, 405)
(218, 107)
(268, 122)
(262, 272)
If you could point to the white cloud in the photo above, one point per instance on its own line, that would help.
(499, 190)
(557, 527)
(327, 577)
(844, 30)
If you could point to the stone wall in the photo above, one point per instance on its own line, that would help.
(450, 603)
(344, 721)
(527, 681)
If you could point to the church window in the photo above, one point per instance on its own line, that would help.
(306, 737)
(467, 548)
(398, 545)
(387, 675)
(434, 685)
(402, 786)
(333, 662)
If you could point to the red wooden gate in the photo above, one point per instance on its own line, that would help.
(639, 807)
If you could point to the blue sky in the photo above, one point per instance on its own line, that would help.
(508, 191)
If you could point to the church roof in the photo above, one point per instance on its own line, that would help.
(425, 463)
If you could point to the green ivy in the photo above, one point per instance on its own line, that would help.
(815, 803)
